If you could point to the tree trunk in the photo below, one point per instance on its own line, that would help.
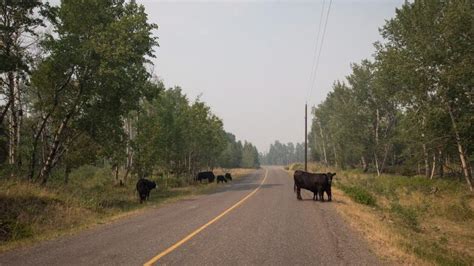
(386, 150)
(13, 119)
(376, 163)
(377, 122)
(365, 165)
(128, 166)
(440, 164)
(426, 160)
(19, 122)
(38, 134)
(46, 169)
(116, 172)
(425, 151)
(462, 155)
(376, 137)
(434, 166)
(323, 143)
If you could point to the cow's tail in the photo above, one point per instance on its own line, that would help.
(294, 187)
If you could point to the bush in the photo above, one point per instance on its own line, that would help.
(359, 195)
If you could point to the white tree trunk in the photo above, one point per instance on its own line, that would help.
(323, 143)
(462, 155)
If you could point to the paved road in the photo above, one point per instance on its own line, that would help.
(268, 228)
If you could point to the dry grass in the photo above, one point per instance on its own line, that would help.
(30, 213)
(376, 228)
(413, 221)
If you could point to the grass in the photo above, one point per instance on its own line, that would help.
(29, 212)
(407, 220)
(359, 194)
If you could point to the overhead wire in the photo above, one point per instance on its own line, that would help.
(313, 81)
(315, 53)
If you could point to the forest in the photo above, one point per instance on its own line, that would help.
(283, 154)
(77, 88)
(409, 109)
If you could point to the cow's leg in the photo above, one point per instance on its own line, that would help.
(329, 194)
(298, 193)
(321, 195)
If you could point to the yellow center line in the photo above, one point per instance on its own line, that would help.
(191, 235)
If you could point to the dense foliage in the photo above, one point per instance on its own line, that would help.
(410, 109)
(76, 89)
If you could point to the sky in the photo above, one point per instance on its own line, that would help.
(251, 61)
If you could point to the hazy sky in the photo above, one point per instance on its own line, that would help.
(251, 61)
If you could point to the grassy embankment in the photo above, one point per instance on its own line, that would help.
(29, 212)
(407, 220)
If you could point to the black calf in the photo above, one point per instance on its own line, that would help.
(144, 186)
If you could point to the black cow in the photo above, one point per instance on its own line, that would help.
(228, 176)
(326, 186)
(209, 175)
(304, 180)
(221, 179)
(144, 186)
(314, 182)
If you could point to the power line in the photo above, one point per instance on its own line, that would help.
(313, 65)
(313, 82)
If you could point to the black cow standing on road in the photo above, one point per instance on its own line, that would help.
(314, 182)
(228, 176)
(304, 180)
(144, 186)
(221, 179)
(209, 175)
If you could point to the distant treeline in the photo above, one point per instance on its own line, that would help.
(283, 154)
(411, 109)
(76, 89)
(237, 155)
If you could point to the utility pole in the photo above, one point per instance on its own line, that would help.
(306, 137)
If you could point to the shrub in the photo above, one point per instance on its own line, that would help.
(359, 195)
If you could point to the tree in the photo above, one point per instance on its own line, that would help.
(432, 43)
(83, 84)
(413, 104)
(18, 20)
(231, 157)
(250, 156)
(283, 154)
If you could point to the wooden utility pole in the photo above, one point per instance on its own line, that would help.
(306, 137)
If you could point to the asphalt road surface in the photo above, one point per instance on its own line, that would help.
(251, 221)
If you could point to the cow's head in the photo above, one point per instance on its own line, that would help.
(330, 176)
(152, 185)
